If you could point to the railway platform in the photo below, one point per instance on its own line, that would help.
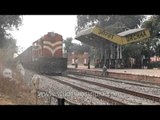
(140, 75)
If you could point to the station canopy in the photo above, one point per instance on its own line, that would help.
(96, 36)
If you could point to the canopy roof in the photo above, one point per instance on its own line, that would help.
(96, 36)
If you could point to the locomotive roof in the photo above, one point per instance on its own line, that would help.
(48, 34)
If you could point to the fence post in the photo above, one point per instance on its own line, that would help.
(36, 96)
(61, 101)
(50, 99)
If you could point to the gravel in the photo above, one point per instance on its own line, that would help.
(67, 92)
(81, 98)
(146, 90)
(62, 91)
(126, 98)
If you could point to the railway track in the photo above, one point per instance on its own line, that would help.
(99, 96)
(138, 94)
(118, 81)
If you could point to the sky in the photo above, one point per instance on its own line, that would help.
(35, 26)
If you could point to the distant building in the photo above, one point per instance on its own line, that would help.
(155, 59)
(82, 58)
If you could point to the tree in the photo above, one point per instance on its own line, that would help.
(68, 43)
(73, 47)
(152, 46)
(133, 50)
(8, 22)
(7, 42)
(115, 22)
(153, 24)
(10, 49)
(80, 48)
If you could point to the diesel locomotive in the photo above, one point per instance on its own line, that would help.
(45, 56)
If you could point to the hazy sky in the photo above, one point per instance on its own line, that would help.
(35, 26)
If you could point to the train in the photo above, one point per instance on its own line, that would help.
(45, 55)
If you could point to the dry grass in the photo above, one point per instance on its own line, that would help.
(16, 92)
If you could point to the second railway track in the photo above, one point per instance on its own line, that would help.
(147, 99)
(142, 95)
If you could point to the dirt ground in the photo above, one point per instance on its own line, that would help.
(17, 93)
(5, 100)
